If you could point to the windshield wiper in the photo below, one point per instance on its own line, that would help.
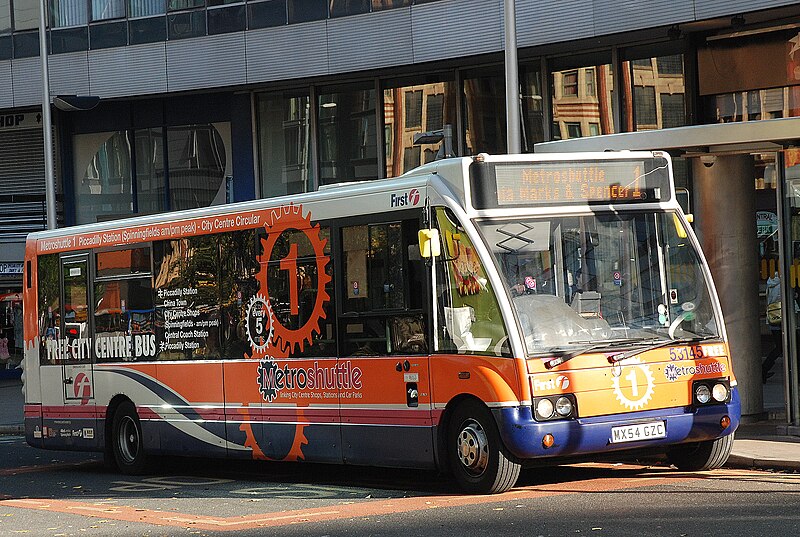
(614, 358)
(642, 345)
(569, 355)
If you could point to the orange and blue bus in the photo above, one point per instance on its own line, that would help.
(474, 315)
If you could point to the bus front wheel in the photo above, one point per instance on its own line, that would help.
(479, 461)
(701, 456)
(127, 440)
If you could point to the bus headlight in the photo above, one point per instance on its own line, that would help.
(719, 392)
(555, 407)
(711, 391)
(702, 394)
(563, 406)
(544, 409)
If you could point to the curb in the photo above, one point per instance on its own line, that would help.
(12, 429)
(740, 461)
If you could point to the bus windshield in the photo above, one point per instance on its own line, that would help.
(600, 279)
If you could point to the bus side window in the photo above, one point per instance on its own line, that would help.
(187, 298)
(384, 290)
(469, 315)
(124, 317)
(239, 283)
(296, 303)
(47, 268)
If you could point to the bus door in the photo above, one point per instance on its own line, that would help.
(76, 424)
(76, 363)
(385, 397)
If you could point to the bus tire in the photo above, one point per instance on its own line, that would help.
(127, 442)
(701, 456)
(478, 459)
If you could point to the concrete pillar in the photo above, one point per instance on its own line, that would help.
(724, 193)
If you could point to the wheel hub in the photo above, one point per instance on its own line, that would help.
(473, 448)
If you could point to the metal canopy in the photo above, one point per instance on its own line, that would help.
(742, 137)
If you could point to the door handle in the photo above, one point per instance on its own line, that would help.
(68, 380)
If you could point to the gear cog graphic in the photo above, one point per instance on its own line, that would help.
(282, 219)
(633, 366)
(266, 379)
(260, 323)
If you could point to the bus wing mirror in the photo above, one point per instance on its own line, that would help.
(679, 226)
(429, 244)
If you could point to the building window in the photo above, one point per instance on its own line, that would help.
(146, 8)
(590, 82)
(532, 109)
(107, 9)
(656, 82)
(347, 136)
(485, 114)
(102, 176)
(379, 5)
(341, 8)
(406, 110)
(178, 5)
(411, 156)
(573, 107)
(151, 188)
(5, 16)
(569, 84)
(266, 14)
(644, 106)
(434, 112)
(673, 110)
(65, 13)
(148, 30)
(307, 10)
(198, 162)
(413, 101)
(186, 24)
(284, 152)
(229, 19)
(574, 130)
(110, 182)
(26, 14)
(670, 65)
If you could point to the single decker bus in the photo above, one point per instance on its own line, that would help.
(473, 315)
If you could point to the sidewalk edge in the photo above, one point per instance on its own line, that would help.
(12, 429)
(740, 461)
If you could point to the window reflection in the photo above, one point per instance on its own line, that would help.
(102, 176)
(657, 88)
(582, 100)
(347, 147)
(5, 16)
(197, 162)
(753, 105)
(484, 103)
(284, 135)
(409, 110)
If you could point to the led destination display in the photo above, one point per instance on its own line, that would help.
(552, 183)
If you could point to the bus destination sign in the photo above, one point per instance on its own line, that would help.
(553, 183)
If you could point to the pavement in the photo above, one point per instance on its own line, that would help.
(768, 444)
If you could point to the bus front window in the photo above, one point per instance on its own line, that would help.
(601, 278)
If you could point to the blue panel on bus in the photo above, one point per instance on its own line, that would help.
(523, 435)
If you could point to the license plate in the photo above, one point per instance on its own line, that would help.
(638, 432)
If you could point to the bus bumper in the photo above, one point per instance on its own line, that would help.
(523, 435)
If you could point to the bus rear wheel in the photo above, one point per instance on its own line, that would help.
(479, 460)
(127, 440)
(701, 456)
